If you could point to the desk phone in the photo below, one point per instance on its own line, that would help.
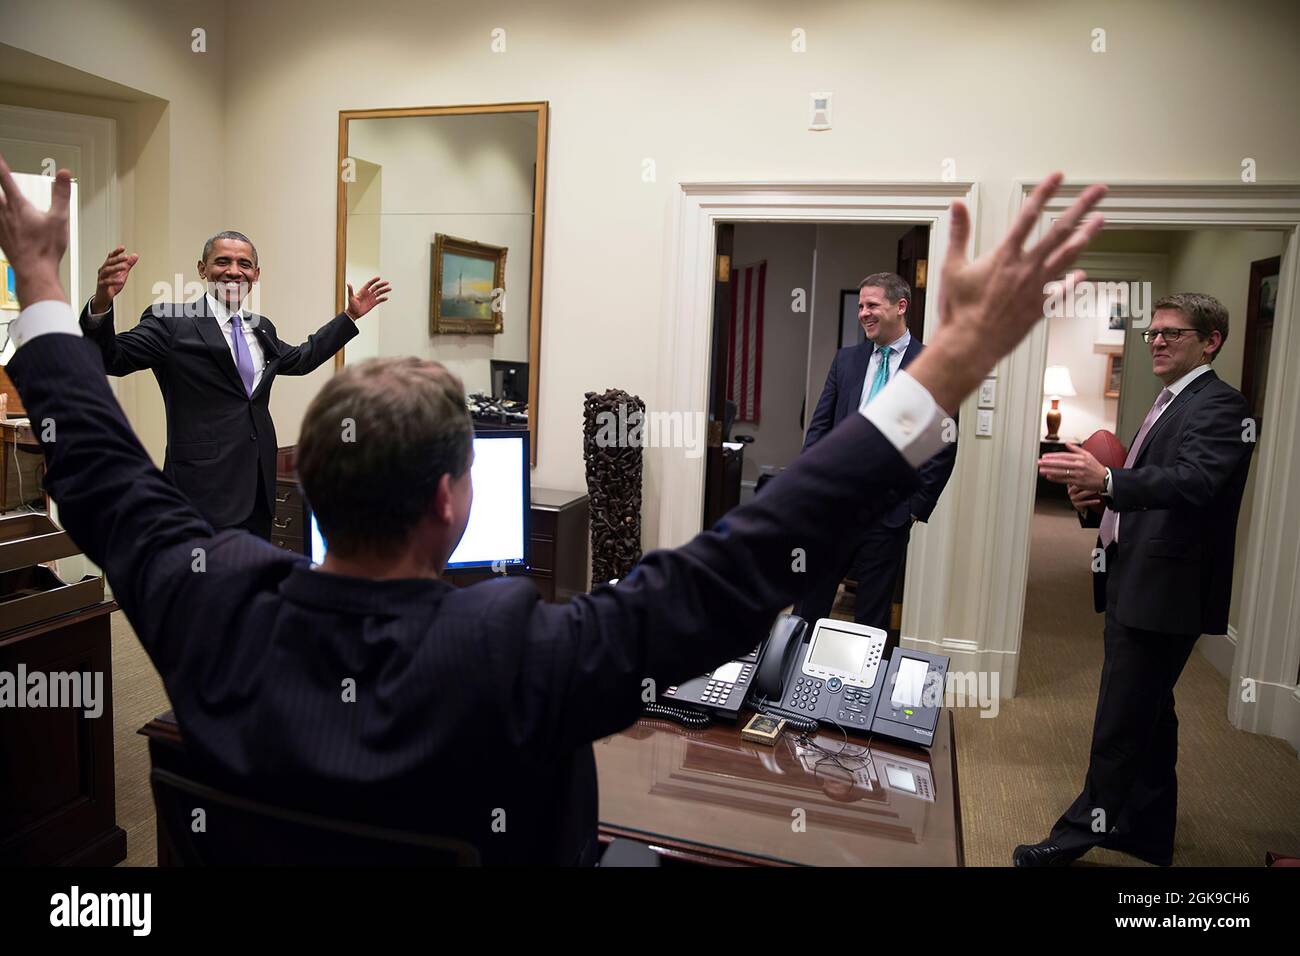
(837, 674)
(840, 676)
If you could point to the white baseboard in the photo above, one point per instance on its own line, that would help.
(1219, 650)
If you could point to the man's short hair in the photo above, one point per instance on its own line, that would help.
(895, 286)
(228, 234)
(375, 442)
(1204, 313)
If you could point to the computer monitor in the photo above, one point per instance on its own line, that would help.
(497, 534)
(509, 380)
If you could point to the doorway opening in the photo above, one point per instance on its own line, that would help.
(785, 302)
(1099, 377)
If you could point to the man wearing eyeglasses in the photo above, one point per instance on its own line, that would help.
(1168, 532)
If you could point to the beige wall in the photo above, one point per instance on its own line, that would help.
(1007, 91)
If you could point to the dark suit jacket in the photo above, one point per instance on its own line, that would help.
(841, 397)
(217, 435)
(469, 703)
(1178, 508)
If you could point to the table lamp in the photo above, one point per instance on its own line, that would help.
(1056, 385)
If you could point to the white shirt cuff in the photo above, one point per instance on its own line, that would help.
(907, 415)
(94, 318)
(41, 318)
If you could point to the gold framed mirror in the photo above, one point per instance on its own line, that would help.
(447, 203)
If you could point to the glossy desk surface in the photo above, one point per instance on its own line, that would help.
(710, 797)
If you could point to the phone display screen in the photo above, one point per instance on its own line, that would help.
(839, 651)
(910, 683)
(728, 673)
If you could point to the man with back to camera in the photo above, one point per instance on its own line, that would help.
(876, 552)
(475, 706)
(216, 385)
(1169, 534)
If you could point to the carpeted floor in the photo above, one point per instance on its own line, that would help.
(1240, 793)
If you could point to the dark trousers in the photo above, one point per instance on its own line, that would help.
(259, 520)
(1130, 795)
(874, 560)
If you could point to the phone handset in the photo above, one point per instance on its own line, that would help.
(780, 656)
(783, 643)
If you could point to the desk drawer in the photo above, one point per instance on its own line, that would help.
(292, 543)
(541, 553)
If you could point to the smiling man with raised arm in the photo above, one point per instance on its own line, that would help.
(473, 705)
(215, 362)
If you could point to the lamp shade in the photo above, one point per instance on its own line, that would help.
(1056, 381)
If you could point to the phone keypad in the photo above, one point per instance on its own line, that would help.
(805, 693)
(856, 708)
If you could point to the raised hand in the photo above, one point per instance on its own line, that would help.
(33, 241)
(987, 306)
(372, 293)
(111, 278)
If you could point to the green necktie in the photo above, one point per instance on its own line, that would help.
(882, 372)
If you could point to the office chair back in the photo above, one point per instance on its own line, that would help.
(236, 831)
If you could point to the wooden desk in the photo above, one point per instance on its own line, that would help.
(708, 797)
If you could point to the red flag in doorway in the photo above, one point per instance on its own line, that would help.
(745, 341)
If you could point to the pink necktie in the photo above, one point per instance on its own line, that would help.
(1110, 519)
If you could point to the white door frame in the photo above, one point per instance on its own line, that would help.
(685, 344)
(1263, 696)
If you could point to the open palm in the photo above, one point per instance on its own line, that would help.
(372, 293)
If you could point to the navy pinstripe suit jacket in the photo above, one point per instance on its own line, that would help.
(473, 706)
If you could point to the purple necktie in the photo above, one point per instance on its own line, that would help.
(1110, 519)
(243, 360)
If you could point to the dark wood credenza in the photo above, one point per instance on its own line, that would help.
(56, 764)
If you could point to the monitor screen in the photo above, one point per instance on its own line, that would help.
(497, 533)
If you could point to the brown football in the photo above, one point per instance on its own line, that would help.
(1107, 449)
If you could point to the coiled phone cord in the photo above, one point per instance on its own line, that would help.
(796, 722)
(687, 718)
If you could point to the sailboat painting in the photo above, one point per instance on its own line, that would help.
(467, 286)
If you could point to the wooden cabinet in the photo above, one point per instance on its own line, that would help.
(288, 523)
(56, 763)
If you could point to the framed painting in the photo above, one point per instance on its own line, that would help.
(1261, 304)
(467, 289)
(8, 286)
(1114, 372)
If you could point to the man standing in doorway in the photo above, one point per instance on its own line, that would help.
(1168, 534)
(215, 362)
(874, 554)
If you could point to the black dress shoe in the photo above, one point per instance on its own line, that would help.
(1045, 854)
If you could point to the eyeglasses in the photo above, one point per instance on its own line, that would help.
(1171, 335)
